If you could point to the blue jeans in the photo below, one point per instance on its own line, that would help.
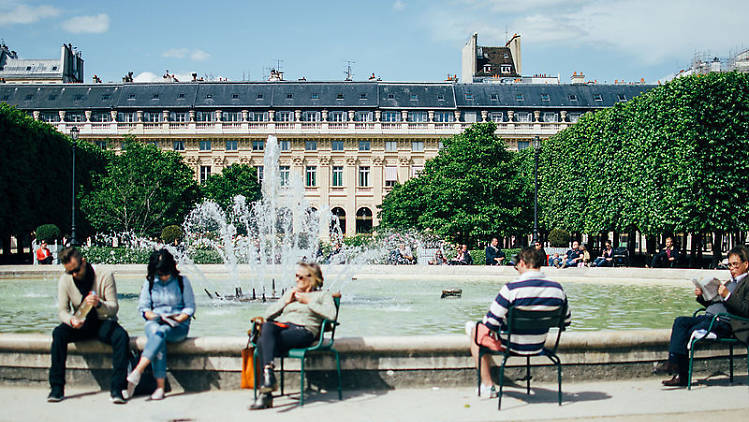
(157, 335)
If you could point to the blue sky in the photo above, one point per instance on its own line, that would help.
(399, 40)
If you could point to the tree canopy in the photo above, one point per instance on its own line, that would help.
(471, 191)
(675, 158)
(143, 190)
(237, 179)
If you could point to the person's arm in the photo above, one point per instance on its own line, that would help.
(188, 298)
(275, 309)
(738, 301)
(498, 310)
(145, 304)
(63, 302)
(108, 304)
(322, 304)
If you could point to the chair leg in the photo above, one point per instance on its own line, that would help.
(478, 375)
(558, 364)
(501, 382)
(730, 357)
(301, 384)
(528, 375)
(338, 369)
(691, 363)
(281, 374)
(256, 360)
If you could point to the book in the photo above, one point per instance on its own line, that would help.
(709, 286)
(169, 319)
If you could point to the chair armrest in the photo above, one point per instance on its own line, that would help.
(733, 316)
(323, 328)
(698, 311)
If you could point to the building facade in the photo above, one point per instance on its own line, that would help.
(350, 142)
(67, 69)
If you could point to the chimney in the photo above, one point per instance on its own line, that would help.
(577, 78)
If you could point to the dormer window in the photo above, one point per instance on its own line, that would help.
(339, 96)
(440, 97)
(545, 98)
(469, 96)
(235, 96)
(573, 98)
(259, 96)
(106, 97)
(155, 97)
(315, 96)
(208, 96)
(621, 97)
(131, 97)
(52, 97)
(289, 96)
(363, 96)
(414, 97)
(391, 96)
(506, 68)
(181, 95)
(519, 97)
(598, 97)
(487, 68)
(495, 97)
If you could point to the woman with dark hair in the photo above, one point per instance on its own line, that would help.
(166, 302)
(292, 322)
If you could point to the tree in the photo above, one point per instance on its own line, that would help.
(143, 190)
(35, 175)
(237, 179)
(471, 191)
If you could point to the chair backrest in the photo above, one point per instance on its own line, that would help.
(526, 321)
(337, 301)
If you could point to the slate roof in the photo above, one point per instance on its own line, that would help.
(313, 95)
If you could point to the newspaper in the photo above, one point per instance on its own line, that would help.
(709, 286)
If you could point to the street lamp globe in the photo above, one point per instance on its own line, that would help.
(74, 133)
(536, 142)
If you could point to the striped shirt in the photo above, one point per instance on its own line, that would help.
(532, 291)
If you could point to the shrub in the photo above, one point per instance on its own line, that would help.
(110, 255)
(559, 238)
(47, 232)
(205, 256)
(171, 233)
(479, 256)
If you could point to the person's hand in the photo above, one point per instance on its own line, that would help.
(671, 259)
(92, 299)
(181, 317)
(76, 323)
(151, 315)
(292, 297)
(723, 291)
(697, 291)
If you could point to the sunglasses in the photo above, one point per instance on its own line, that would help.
(299, 276)
(74, 270)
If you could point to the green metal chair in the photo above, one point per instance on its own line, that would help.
(323, 344)
(730, 341)
(519, 320)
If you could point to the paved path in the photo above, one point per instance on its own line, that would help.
(632, 400)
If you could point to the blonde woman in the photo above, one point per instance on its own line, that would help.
(292, 322)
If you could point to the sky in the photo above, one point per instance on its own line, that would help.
(398, 40)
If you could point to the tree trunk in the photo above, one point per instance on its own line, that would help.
(5, 238)
(651, 242)
(631, 242)
(717, 247)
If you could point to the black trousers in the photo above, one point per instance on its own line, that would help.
(106, 331)
(681, 332)
(275, 341)
(660, 260)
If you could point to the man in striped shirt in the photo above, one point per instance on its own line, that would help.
(531, 291)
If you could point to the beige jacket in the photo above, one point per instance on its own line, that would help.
(69, 298)
(321, 306)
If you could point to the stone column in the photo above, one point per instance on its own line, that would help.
(351, 181)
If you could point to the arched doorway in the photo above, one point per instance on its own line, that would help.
(363, 220)
(340, 213)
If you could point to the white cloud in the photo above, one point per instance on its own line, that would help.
(96, 24)
(649, 31)
(399, 5)
(152, 77)
(13, 12)
(181, 53)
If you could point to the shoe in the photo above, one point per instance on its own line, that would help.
(263, 401)
(666, 367)
(269, 381)
(56, 394)
(117, 398)
(158, 394)
(676, 381)
(132, 381)
(488, 391)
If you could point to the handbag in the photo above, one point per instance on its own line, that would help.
(488, 338)
(248, 367)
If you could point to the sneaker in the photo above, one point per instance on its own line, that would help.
(132, 381)
(117, 398)
(488, 391)
(56, 394)
(158, 394)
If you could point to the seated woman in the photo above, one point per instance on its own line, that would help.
(166, 302)
(607, 256)
(292, 322)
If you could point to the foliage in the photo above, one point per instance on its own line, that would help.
(479, 255)
(361, 239)
(471, 190)
(121, 255)
(171, 233)
(47, 232)
(205, 256)
(559, 238)
(237, 179)
(35, 174)
(142, 190)
(672, 159)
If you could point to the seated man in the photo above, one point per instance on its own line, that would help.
(494, 255)
(574, 256)
(463, 257)
(403, 255)
(81, 288)
(533, 288)
(667, 257)
(607, 256)
(733, 297)
(540, 250)
(43, 255)
(555, 260)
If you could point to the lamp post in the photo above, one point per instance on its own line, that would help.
(536, 149)
(74, 137)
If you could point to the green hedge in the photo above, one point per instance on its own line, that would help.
(205, 256)
(479, 257)
(110, 255)
(48, 232)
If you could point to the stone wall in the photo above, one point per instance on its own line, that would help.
(367, 362)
